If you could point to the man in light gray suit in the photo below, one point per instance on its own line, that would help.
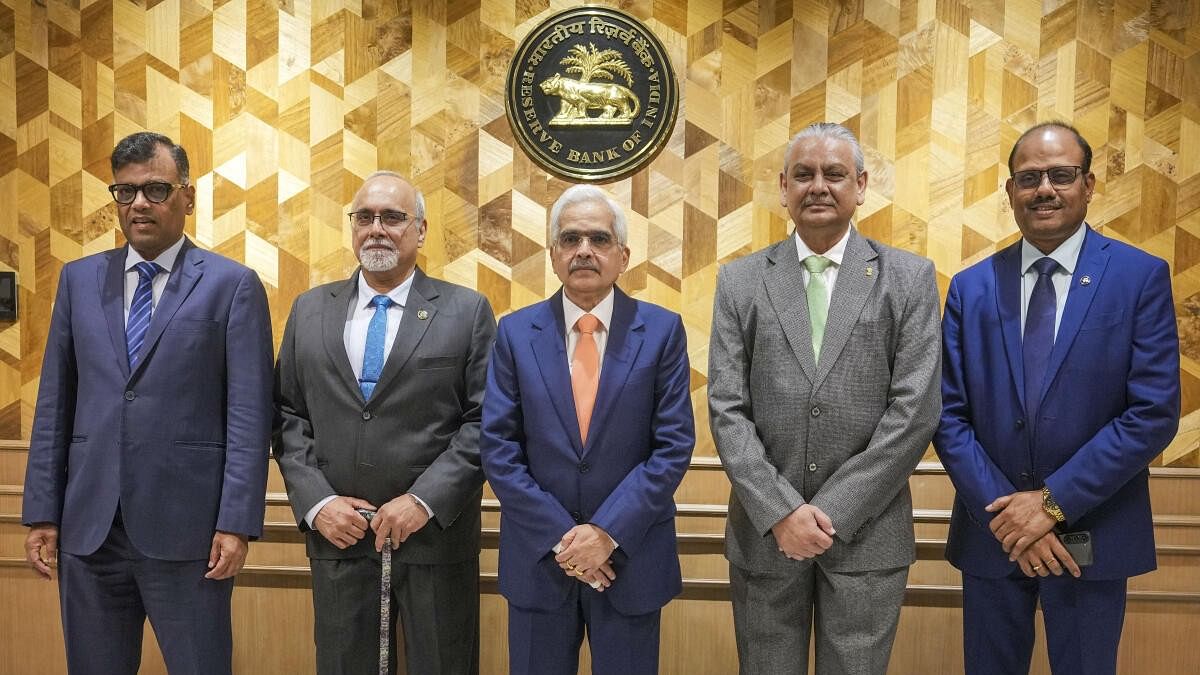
(823, 395)
(379, 388)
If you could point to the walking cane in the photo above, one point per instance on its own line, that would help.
(385, 598)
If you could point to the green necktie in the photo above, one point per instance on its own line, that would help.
(818, 299)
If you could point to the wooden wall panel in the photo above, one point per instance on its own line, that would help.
(285, 106)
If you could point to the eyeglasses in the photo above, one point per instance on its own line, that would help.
(1060, 177)
(365, 219)
(155, 192)
(598, 241)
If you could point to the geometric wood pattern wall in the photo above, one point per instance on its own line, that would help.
(284, 106)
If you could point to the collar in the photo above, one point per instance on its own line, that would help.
(835, 252)
(1066, 255)
(165, 260)
(399, 294)
(603, 310)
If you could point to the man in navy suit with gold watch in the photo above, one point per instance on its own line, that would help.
(1060, 385)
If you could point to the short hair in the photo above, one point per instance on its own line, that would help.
(827, 130)
(418, 198)
(579, 194)
(141, 147)
(1083, 144)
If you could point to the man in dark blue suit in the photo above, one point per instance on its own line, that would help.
(587, 431)
(1060, 386)
(148, 458)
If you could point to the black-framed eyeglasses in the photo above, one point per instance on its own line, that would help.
(598, 241)
(1060, 176)
(365, 219)
(155, 192)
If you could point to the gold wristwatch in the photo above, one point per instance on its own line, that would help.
(1050, 506)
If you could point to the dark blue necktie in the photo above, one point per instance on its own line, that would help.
(1039, 334)
(140, 309)
(373, 357)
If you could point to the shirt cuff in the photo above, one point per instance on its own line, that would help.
(312, 513)
(428, 511)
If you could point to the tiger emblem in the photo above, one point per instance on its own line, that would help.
(617, 104)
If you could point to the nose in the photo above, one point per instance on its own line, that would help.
(1045, 187)
(376, 225)
(140, 201)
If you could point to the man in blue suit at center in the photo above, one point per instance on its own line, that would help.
(1060, 386)
(148, 458)
(587, 431)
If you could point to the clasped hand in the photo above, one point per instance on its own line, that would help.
(1025, 531)
(584, 553)
(804, 533)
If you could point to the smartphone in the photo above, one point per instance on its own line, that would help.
(1079, 545)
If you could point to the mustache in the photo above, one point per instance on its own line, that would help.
(1050, 201)
(578, 264)
(379, 241)
(818, 202)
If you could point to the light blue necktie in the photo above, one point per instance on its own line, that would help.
(373, 357)
(140, 309)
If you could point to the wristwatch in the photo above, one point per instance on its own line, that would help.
(1051, 507)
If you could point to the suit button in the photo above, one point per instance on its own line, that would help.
(816, 412)
(583, 467)
(129, 396)
(366, 414)
(577, 516)
(1020, 424)
(812, 466)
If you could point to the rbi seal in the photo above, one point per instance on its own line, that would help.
(591, 94)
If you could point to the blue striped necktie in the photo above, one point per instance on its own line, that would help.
(140, 309)
(373, 356)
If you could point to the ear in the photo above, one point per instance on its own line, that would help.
(861, 180)
(189, 195)
(783, 189)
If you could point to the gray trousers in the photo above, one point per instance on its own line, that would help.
(437, 607)
(854, 615)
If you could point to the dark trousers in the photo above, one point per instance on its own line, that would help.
(547, 642)
(437, 606)
(107, 596)
(1083, 623)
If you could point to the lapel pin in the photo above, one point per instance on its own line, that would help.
(1085, 280)
(870, 271)
(422, 314)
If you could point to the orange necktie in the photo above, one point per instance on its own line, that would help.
(585, 372)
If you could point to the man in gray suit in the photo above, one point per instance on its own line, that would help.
(379, 386)
(823, 395)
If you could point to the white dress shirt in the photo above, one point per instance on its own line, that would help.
(165, 260)
(835, 254)
(358, 319)
(1067, 257)
(602, 311)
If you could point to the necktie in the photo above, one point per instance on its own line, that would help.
(585, 372)
(1038, 339)
(818, 299)
(140, 310)
(373, 356)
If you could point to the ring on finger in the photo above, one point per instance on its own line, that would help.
(1037, 567)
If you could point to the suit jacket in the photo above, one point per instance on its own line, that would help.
(623, 480)
(181, 441)
(419, 431)
(1110, 404)
(842, 434)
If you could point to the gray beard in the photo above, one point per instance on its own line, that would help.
(377, 260)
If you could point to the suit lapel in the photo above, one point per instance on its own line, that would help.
(625, 337)
(549, 344)
(850, 294)
(112, 302)
(1092, 262)
(1007, 268)
(419, 312)
(785, 288)
(190, 267)
(334, 310)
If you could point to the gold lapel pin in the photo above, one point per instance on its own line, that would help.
(422, 314)
(1085, 280)
(870, 271)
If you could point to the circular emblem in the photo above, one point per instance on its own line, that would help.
(591, 94)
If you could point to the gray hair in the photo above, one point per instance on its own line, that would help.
(140, 147)
(419, 199)
(827, 130)
(578, 194)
